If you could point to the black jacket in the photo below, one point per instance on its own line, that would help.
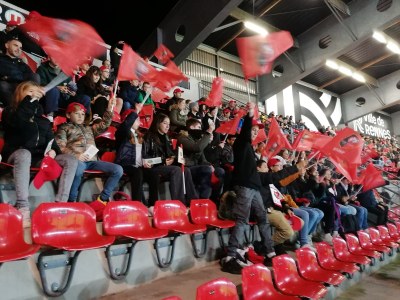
(26, 128)
(245, 168)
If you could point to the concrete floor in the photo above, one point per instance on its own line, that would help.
(383, 283)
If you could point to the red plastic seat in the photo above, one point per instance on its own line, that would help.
(342, 253)
(385, 235)
(130, 219)
(12, 243)
(204, 211)
(328, 261)
(257, 284)
(109, 134)
(366, 243)
(289, 282)
(355, 248)
(377, 238)
(127, 219)
(68, 226)
(67, 229)
(109, 156)
(218, 289)
(310, 269)
(171, 215)
(393, 231)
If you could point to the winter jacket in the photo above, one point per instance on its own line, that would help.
(193, 149)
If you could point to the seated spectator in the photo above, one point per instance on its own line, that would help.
(129, 145)
(158, 145)
(194, 110)
(13, 70)
(275, 213)
(177, 94)
(75, 138)
(232, 106)
(27, 134)
(194, 141)
(129, 93)
(5, 33)
(145, 93)
(59, 95)
(375, 207)
(178, 115)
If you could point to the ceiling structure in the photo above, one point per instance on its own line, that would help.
(323, 29)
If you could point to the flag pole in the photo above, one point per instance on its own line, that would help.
(53, 83)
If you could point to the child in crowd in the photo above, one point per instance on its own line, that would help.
(27, 133)
(75, 138)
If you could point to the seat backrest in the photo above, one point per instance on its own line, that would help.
(397, 225)
(392, 229)
(383, 232)
(285, 269)
(1, 144)
(374, 235)
(123, 217)
(340, 246)
(109, 134)
(62, 222)
(108, 156)
(324, 252)
(364, 238)
(203, 211)
(352, 241)
(218, 289)
(306, 259)
(169, 213)
(11, 230)
(257, 283)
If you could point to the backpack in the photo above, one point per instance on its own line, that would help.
(349, 224)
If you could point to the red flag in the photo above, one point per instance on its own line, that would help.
(374, 178)
(229, 127)
(357, 173)
(344, 150)
(168, 77)
(307, 140)
(146, 116)
(215, 96)
(132, 66)
(257, 53)
(163, 54)
(68, 42)
(276, 140)
(31, 63)
(261, 137)
(157, 95)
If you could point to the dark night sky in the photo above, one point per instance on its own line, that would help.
(114, 20)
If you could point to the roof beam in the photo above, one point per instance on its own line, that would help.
(240, 14)
(194, 20)
(364, 18)
(387, 90)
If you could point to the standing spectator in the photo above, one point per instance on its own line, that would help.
(194, 110)
(27, 134)
(178, 115)
(13, 70)
(247, 185)
(177, 94)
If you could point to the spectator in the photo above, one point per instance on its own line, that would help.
(158, 145)
(247, 184)
(75, 138)
(13, 70)
(129, 93)
(27, 134)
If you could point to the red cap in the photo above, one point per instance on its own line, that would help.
(272, 162)
(226, 110)
(49, 170)
(178, 91)
(72, 107)
(231, 101)
(254, 122)
(12, 23)
(102, 68)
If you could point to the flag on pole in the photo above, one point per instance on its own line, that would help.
(163, 54)
(257, 53)
(276, 140)
(215, 96)
(132, 66)
(68, 42)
